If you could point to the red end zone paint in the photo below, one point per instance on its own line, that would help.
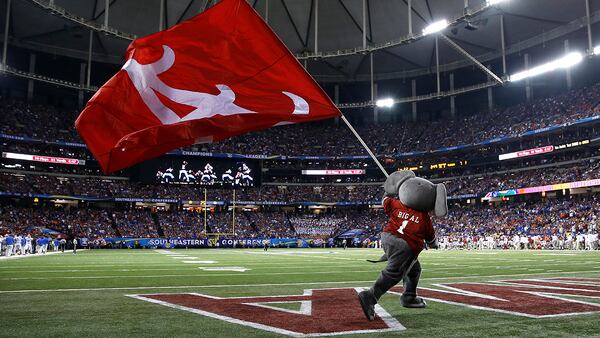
(331, 312)
(337, 311)
(537, 298)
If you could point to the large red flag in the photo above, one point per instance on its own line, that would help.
(217, 75)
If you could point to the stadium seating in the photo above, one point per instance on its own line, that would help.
(46, 123)
(468, 225)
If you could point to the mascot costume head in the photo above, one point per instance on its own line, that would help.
(417, 193)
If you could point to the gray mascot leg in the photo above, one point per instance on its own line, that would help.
(411, 280)
(400, 258)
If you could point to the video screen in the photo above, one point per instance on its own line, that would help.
(203, 171)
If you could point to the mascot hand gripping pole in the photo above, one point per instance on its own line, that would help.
(408, 202)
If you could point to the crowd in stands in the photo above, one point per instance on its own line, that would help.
(554, 223)
(580, 171)
(314, 226)
(47, 123)
(79, 222)
(550, 223)
(106, 187)
(39, 121)
(565, 223)
(387, 139)
(135, 223)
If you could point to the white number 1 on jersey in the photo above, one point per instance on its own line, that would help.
(401, 228)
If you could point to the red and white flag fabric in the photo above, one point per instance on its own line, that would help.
(220, 74)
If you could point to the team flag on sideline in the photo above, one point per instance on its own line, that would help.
(220, 74)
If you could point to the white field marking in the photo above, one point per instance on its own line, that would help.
(225, 268)
(270, 284)
(391, 322)
(250, 274)
(287, 253)
(20, 268)
(458, 291)
(95, 270)
(217, 316)
(557, 296)
(338, 258)
(4, 258)
(504, 311)
(454, 265)
(574, 281)
(199, 262)
(313, 254)
(192, 275)
(473, 294)
(508, 282)
(555, 254)
(305, 307)
(481, 253)
(177, 267)
(174, 268)
(183, 287)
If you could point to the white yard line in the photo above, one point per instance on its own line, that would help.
(276, 284)
(5, 258)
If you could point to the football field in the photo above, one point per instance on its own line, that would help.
(252, 293)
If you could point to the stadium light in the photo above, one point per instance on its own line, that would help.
(494, 2)
(385, 103)
(597, 50)
(435, 27)
(566, 61)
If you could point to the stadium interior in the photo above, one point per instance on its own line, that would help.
(518, 151)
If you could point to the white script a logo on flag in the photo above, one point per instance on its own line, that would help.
(146, 81)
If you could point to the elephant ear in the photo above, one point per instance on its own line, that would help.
(395, 180)
(441, 201)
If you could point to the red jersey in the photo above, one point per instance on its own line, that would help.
(411, 225)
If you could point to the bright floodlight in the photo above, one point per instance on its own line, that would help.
(597, 50)
(436, 27)
(385, 103)
(566, 61)
(494, 2)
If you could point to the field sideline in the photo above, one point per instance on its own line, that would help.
(92, 293)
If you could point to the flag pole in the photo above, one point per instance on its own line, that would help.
(365, 145)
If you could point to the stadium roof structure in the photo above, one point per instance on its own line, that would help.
(328, 34)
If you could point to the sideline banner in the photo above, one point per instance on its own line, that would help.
(164, 243)
(169, 243)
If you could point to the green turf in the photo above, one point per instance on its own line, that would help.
(37, 296)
